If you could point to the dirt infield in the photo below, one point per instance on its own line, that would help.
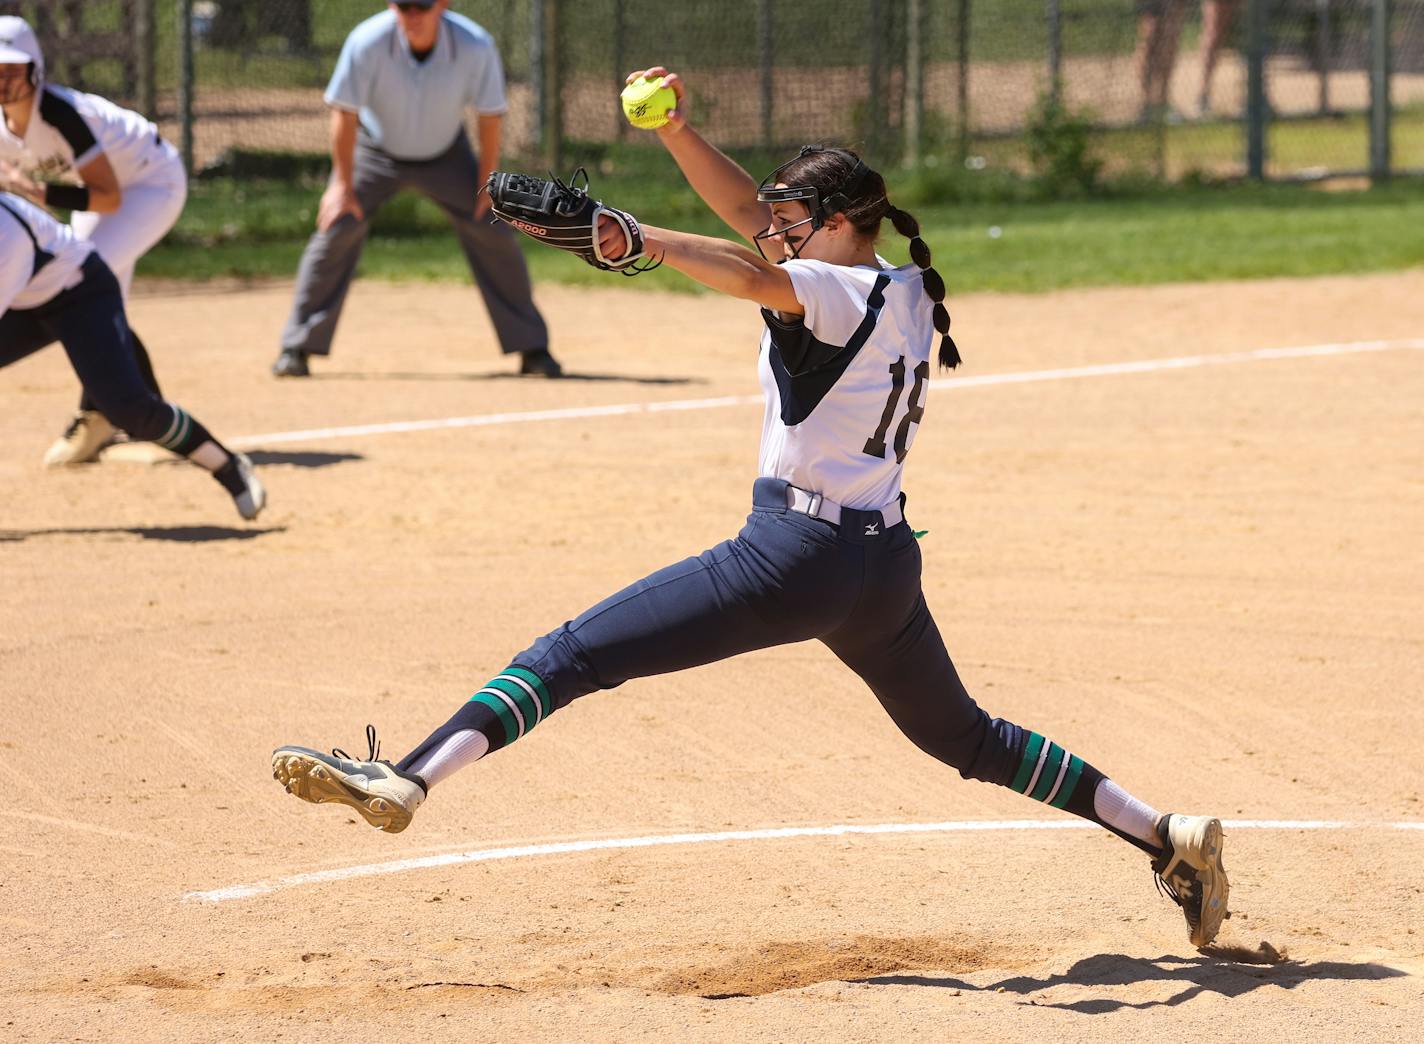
(1203, 577)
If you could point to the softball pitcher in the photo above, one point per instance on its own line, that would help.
(131, 188)
(826, 552)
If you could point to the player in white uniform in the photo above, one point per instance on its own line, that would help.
(54, 287)
(130, 187)
(826, 552)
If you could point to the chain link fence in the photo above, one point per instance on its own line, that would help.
(1170, 88)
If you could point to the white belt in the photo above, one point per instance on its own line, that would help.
(817, 506)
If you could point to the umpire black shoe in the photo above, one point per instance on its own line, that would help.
(291, 363)
(539, 363)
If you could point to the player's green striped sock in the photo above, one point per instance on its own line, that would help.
(504, 709)
(519, 701)
(1047, 772)
(178, 436)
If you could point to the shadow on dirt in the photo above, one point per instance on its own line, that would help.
(301, 459)
(1229, 975)
(505, 376)
(174, 534)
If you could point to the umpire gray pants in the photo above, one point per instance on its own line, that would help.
(451, 180)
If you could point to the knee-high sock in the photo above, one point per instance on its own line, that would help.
(186, 436)
(450, 755)
(1039, 768)
(511, 704)
(1126, 814)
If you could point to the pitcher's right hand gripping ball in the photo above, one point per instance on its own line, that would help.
(565, 216)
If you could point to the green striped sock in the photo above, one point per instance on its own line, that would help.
(518, 699)
(176, 436)
(1047, 772)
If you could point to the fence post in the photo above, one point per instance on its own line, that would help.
(185, 82)
(620, 64)
(143, 47)
(874, 102)
(1055, 51)
(962, 80)
(554, 79)
(914, 115)
(766, 62)
(1322, 55)
(1380, 115)
(1256, 90)
(537, 86)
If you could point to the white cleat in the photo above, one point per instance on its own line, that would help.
(88, 433)
(385, 796)
(253, 497)
(1191, 873)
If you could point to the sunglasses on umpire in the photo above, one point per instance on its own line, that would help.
(413, 8)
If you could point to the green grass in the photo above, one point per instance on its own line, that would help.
(257, 230)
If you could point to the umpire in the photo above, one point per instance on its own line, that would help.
(398, 99)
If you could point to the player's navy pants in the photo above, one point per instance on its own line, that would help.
(785, 578)
(89, 321)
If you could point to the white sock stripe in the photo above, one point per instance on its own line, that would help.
(509, 702)
(172, 428)
(533, 696)
(1038, 769)
(1062, 771)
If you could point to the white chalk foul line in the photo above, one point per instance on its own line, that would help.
(397, 866)
(944, 384)
(485, 420)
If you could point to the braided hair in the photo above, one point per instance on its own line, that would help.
(830, 171)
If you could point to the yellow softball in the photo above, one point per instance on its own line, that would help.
(647, 103)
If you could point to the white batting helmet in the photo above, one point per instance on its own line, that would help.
(18, 44)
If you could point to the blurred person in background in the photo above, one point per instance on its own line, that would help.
(398, 99)
(1159, 32)
(1159, 29)
(1218, 17)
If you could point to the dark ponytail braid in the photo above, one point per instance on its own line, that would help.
(907, 226)
(861, 197)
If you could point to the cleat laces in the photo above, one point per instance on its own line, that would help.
(373, 752)
(1185, 893)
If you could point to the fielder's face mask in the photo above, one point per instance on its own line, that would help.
(772, 191)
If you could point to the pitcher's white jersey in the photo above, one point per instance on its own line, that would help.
(39, 257)
(68, 129)
(845, 385)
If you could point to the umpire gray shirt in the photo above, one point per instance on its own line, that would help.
(414, 110)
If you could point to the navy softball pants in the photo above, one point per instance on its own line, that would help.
(89, 321)
(786, 578)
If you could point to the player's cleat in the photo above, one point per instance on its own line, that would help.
(292, 362)
(385, 796)
(88, 433)
(539, 363)
(248, 493)
(1189, 871)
